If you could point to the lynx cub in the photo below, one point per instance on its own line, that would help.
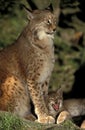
(69, 108)
(26, 67)
(55, 102)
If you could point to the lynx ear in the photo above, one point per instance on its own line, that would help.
(29, 13)
(57, 13)
(59, 91)
(50, 7)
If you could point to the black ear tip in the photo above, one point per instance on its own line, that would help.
(50, 7)
(60, 90)
(29, 12)
(24, 7)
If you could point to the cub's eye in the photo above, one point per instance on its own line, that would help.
(49, 22)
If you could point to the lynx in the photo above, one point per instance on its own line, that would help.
(26, 67)
(66, 109)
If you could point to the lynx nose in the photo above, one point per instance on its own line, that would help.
(54, 29)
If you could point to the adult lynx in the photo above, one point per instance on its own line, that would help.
(26, 67)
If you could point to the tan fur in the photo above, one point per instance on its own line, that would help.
(76, 107)
(26, 67)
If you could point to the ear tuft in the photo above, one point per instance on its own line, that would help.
(29, 13)
(59, 91)
(50, 8)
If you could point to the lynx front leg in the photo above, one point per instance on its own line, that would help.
(37, 96)
(30, 117)
(45, 88)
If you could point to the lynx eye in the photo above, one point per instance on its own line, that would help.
(49, 22)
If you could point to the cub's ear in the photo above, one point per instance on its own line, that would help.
(59, 91)
(28, 12)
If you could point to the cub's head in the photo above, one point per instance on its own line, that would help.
(42, 23)
(55, 102)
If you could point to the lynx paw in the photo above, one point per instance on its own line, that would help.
(64, 115)
(83, 125)
(30, 117)
(46, 120)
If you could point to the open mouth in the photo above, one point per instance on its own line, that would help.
(56, 107)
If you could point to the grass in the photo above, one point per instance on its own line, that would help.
(9, 121)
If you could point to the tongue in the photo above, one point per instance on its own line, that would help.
(56, 106)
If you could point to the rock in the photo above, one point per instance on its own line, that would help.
(9, 121)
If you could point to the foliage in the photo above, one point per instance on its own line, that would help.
(10, 122)
(11, 22)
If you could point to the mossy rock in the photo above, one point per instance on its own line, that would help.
(9, 121)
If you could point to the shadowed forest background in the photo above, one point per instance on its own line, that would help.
(69, 70)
